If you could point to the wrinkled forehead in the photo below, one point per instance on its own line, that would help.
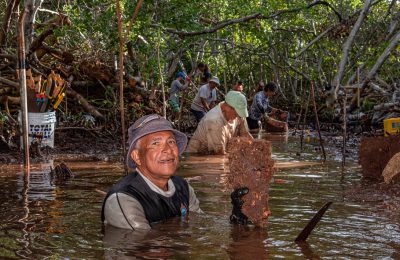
(161, 135)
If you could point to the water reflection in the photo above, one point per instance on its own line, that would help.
(40, 220)
(248, 243)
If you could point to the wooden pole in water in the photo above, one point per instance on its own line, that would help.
(121, 79)
(317, 120)
(122, 39)
(358, 87)
(304, 121)
(22, 85)
(164, 107)
(344, 128)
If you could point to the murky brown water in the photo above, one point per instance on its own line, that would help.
(42, 220)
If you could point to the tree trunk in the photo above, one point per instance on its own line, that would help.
(347, 46)
(32, 6)
(7, 20)
(379, 62)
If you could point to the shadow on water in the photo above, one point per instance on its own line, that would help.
(40, 219)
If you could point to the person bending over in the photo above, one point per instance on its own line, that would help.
(205, 99)
(220, 124)
(261, 107)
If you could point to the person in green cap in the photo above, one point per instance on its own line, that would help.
(220, 124)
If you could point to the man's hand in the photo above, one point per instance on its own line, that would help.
(237, 216)
(281, 115)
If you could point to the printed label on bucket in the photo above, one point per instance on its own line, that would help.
(41, 131)
(41, 128)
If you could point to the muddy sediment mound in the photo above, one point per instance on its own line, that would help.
(375, 153)
(391, 173)
(251, 166)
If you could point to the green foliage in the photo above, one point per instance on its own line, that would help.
(266, 49)
(367, 105)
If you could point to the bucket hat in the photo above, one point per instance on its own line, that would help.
(151, 124)
(215, 80)
(238, 101)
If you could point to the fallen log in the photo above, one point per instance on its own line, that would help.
(85, 104)
(9, 82)
(384, 106)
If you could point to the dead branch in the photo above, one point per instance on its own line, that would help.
(249, 18)
(384, 106)
(8, 57)
(9, 82)
(382, 58)
(7, 20)
(329, 30)
(85, 104)
(83, 84)
(5, 90)
(10, 100)
(377, 88)
(59, 22)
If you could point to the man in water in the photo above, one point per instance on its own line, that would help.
(261, 107)
(151, 193)
(220, 124)
(205, 99)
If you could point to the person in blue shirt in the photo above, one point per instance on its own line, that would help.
(176, 87)
(261, 106)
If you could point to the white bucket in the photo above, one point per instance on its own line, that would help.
(41, 125)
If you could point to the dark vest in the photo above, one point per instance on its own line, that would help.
(156, 206)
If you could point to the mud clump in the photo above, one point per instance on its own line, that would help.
(251, 166)
(392, 170)
(375, 153)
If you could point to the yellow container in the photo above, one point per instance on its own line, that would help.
(391, 126)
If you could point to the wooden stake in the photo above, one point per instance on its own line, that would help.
(164, 108)
(22, 85)
(304, 122)
(358, 88)
(344, 129)
(121, 80)
(317, 121)
(122, 39)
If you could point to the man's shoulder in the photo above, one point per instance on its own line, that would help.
(204, 87)
(214, 114)
(124, 182)
(260, 94)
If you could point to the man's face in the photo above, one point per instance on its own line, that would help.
(231, 114)
(158, 155)
(269, 93)
(212, 84)
(239, 87)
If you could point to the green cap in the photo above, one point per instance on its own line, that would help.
(238, 101)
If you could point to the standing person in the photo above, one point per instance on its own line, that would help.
(238, 86)
(151, 193)
(220, 124)
(261, 106)
(176, 87)
(202, 73)
(205, 99)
